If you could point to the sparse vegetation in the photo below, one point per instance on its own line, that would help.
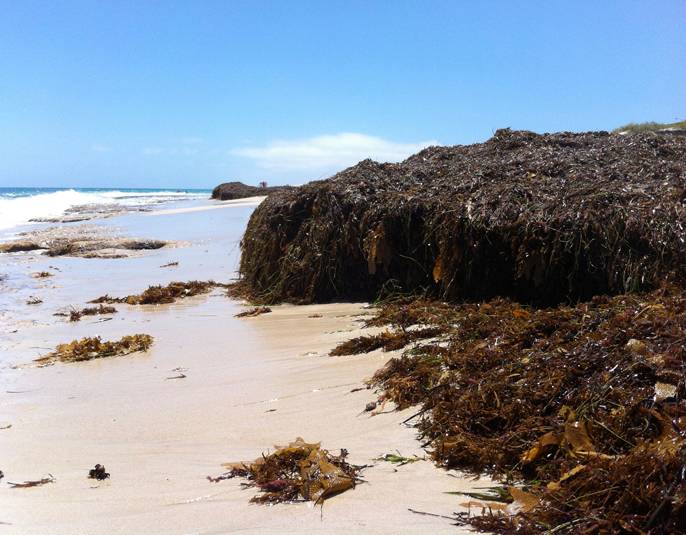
(650, 127)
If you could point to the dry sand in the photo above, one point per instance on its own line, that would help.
(248, 201)
(250, 383)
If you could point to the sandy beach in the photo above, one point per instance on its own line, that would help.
(250, 383)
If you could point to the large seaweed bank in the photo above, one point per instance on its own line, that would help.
(539, 218)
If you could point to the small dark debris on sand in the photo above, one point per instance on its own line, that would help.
(170, 264)
(34, 300)
(42, 275)
(98, 473)
(179, 376)
(34, 483)
(75, 315)
(297, 472)
(253, 312)
(155, 295)
(95, 348)
(369, 407)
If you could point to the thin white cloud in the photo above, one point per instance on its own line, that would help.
(96, 147)
(329, 152)
(153, 151)
(192, 141)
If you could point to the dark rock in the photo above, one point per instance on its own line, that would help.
(19, 246)
(237, 190)
(98, 473)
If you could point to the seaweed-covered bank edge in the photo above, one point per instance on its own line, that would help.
(538, 218)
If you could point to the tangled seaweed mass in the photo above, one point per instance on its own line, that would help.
(585, 404)
(156, 295)
(299, 471)
(539, 218)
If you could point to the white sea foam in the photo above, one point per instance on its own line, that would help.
(16, 211)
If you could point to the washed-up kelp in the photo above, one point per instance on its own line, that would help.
(584, 404)
(539, 218)
(256, 311)
(388, 340)
(299, 471)
(75, 315)
(159, 294)
(95, 348)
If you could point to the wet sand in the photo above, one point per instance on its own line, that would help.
(250, 383)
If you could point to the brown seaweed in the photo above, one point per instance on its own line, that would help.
(388, 340)
(253, 312)
(541, 219)
(569, 400)
(75, 315)
(299, 471)
(95, 348)
(159, 294)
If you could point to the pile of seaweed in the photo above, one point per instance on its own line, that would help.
(237, 190)
(159, 294)
(95, 348)
(75, 315)
(538, 218)
(585, 405)
(297, 472)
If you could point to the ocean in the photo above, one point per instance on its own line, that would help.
(19, 206)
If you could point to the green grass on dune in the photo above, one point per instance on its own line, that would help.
(649, 126)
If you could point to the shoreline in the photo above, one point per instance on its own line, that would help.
(161, 437)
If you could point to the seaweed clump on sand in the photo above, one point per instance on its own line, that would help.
(583, 404)
(256, 311)
(96, 348)
(297, 472)
(75, 315)
(158, 294)
(387, 340)
(539, 218)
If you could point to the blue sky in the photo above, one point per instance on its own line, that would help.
(186, 94)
